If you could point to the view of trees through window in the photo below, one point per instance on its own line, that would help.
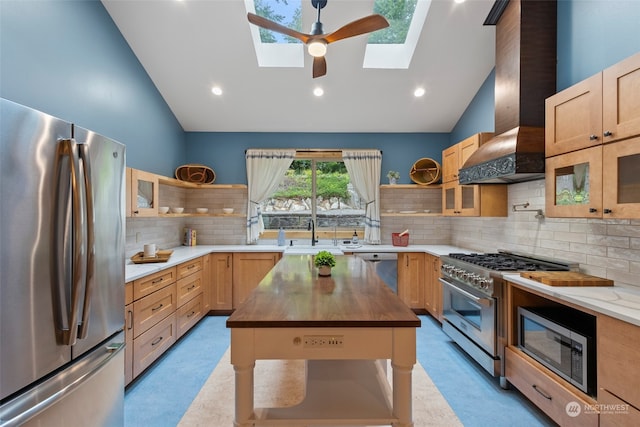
(318, 190)
(399, 13)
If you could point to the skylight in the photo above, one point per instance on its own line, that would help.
(392, 47)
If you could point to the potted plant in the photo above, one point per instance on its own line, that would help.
(393, 177)
(324, 260)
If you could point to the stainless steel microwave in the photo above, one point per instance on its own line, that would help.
(563, 340)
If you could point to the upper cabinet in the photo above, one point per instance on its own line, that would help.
(601, 109)
(593, 146)
(142, 194)
(469, 200)
(146, 192)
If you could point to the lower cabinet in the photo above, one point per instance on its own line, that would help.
(548, 393)
(221, 280)
(159, 309)
(411, 279)
(249, 268)
(618, 345)
(432, 286)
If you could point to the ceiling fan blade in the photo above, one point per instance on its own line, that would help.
(319, 66)
(364, 25)
(274, 26)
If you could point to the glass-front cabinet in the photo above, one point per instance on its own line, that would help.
(621, 179)
(574, 184)
(598, 182)
(143, 193)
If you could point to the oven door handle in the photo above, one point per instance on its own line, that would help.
(486, 302)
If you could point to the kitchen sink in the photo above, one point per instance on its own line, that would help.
(311, 250)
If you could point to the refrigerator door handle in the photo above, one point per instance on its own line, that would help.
(68, 186)
(83, 153)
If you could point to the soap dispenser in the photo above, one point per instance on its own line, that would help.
(354, 239)
(281, 237)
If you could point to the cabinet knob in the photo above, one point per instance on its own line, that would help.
(607, 211)
(593, 210)
(608, 133)
(593, 137)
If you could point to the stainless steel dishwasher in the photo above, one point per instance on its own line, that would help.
(386, 266)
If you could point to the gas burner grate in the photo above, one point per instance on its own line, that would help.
(505, 262)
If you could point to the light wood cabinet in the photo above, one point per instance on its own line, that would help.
(432, 286)
(618, 345)
(474, 200)
(128, 332)
(469, 200)
(546, 391)
(249, 268)
(160, 308)
(142, 193)
(600, 109)
(153, 343)
(411, 279)
(597, 182)
(221, 297)
(454, 157)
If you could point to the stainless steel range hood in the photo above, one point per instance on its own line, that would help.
(525, 76)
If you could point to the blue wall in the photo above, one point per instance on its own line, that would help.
(399, 150)
(479, 115)
(68, 59)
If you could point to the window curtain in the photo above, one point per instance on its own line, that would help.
(364, 167)
(265, 171)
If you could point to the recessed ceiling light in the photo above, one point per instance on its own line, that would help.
(418, 92)
(459, 1)
(216, 90)
(318, 91)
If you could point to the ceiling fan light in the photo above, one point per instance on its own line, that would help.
(317, 48)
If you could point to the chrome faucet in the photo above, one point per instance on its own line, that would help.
(312, 226)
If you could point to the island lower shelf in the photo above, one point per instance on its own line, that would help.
(345, 392)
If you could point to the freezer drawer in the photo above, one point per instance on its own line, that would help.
(89, 392)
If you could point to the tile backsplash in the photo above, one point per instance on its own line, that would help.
(605, 248)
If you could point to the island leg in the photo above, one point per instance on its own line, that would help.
(243, 361)
(402, 361)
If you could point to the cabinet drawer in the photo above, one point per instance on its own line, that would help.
(615, 412)
(128, 293)
(151, 309)
(150, 345)
(551, 396)
(618, 348)
(189, 267)
(153, 282)
(189, 314)
(189, 287)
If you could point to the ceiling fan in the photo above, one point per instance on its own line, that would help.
(317, 41)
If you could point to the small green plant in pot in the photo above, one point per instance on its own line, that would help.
(324, 260)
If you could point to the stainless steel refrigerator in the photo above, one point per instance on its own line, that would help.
(62, 272)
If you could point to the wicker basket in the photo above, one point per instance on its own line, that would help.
(398, 240)
(425, 171)
(199, 174)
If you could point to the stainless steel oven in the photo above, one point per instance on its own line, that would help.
(474, 313)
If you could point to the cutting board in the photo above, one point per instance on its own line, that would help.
(566, 278)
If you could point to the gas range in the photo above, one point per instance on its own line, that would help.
(479, 270)
(474, 311)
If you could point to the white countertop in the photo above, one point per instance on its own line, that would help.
(616, 301)
(185, 253)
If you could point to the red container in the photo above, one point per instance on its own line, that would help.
(399, 240)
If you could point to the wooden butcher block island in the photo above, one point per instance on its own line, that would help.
(345, 326)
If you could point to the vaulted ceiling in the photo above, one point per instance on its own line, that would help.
(189, 46)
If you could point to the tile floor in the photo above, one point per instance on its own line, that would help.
(161, 395)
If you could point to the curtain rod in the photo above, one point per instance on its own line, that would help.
(314, 150)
